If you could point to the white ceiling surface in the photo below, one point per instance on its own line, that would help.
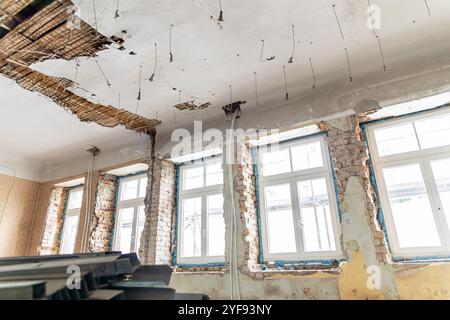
(207, 60)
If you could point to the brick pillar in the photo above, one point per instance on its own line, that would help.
(350, 158)
(53, 222)
(156, 239)
(245, 185)
(103, 218)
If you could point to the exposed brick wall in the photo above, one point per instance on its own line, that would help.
(245, 186)
(157, 236)
(53, 222)
(103, 218)
(350, 157)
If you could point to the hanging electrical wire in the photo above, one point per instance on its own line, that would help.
(95, 15)
(337, 20)
(77, 66)
(428, 7)
(170, 43)
(233, 225)
(8, 195)
(348, 65)
(262, 52)
(102, 72)
(313, 73)
(285, 83)
(256, 88)
(381, 53)
(221, 12)
(116, 14)
(291, 59)
(372, 20)
(156, 63)
(140, 89)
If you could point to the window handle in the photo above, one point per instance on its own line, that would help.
(204, 232)
(299, 223)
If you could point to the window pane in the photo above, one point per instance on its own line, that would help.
(193, 178)
(143, 187)
(280, 224)
(75, 199)
(192, 227)
(306, 156)
(441, 173)
(129, 189)
(124, 230)
(434, 132)
(397, 139)
(411, 209)
(276, 162)
(315, 212)
(214, 174)
(69, 235)
(216, 226)
(140, 226)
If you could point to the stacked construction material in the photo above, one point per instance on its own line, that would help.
(98, 276)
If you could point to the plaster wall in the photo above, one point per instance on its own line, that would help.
(18, 214)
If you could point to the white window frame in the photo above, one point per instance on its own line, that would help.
(293, 178)
(423, 158)
(203, 193)
(70, 213)
(130, 203)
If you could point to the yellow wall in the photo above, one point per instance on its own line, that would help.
(426, 282)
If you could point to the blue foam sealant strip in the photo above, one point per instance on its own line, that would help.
(258, 209)
(325, 263)
(204, 265)
(177, 210)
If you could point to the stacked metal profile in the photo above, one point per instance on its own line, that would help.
(93, 276)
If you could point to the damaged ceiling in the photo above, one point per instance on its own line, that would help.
(37, 31)
(201, 64)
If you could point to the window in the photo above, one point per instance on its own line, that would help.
(71, 218)
(411, 158)
(130, 213)
(201, 225)
(298, 203)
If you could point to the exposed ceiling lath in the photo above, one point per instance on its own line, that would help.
(45, 35)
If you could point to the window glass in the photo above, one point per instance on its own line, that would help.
(306, 156)
(216, 225)
(143, 187)
(75, 199)
(410, 206)
(316, 216)
(125, 229)
(193, 178)
(69, 234)
(140, 226)
(192, 227)
(214, 174)
(397, 139)
(434, 132)
(441, 173)
(129, 189)
(276, 162)
(280, 222)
